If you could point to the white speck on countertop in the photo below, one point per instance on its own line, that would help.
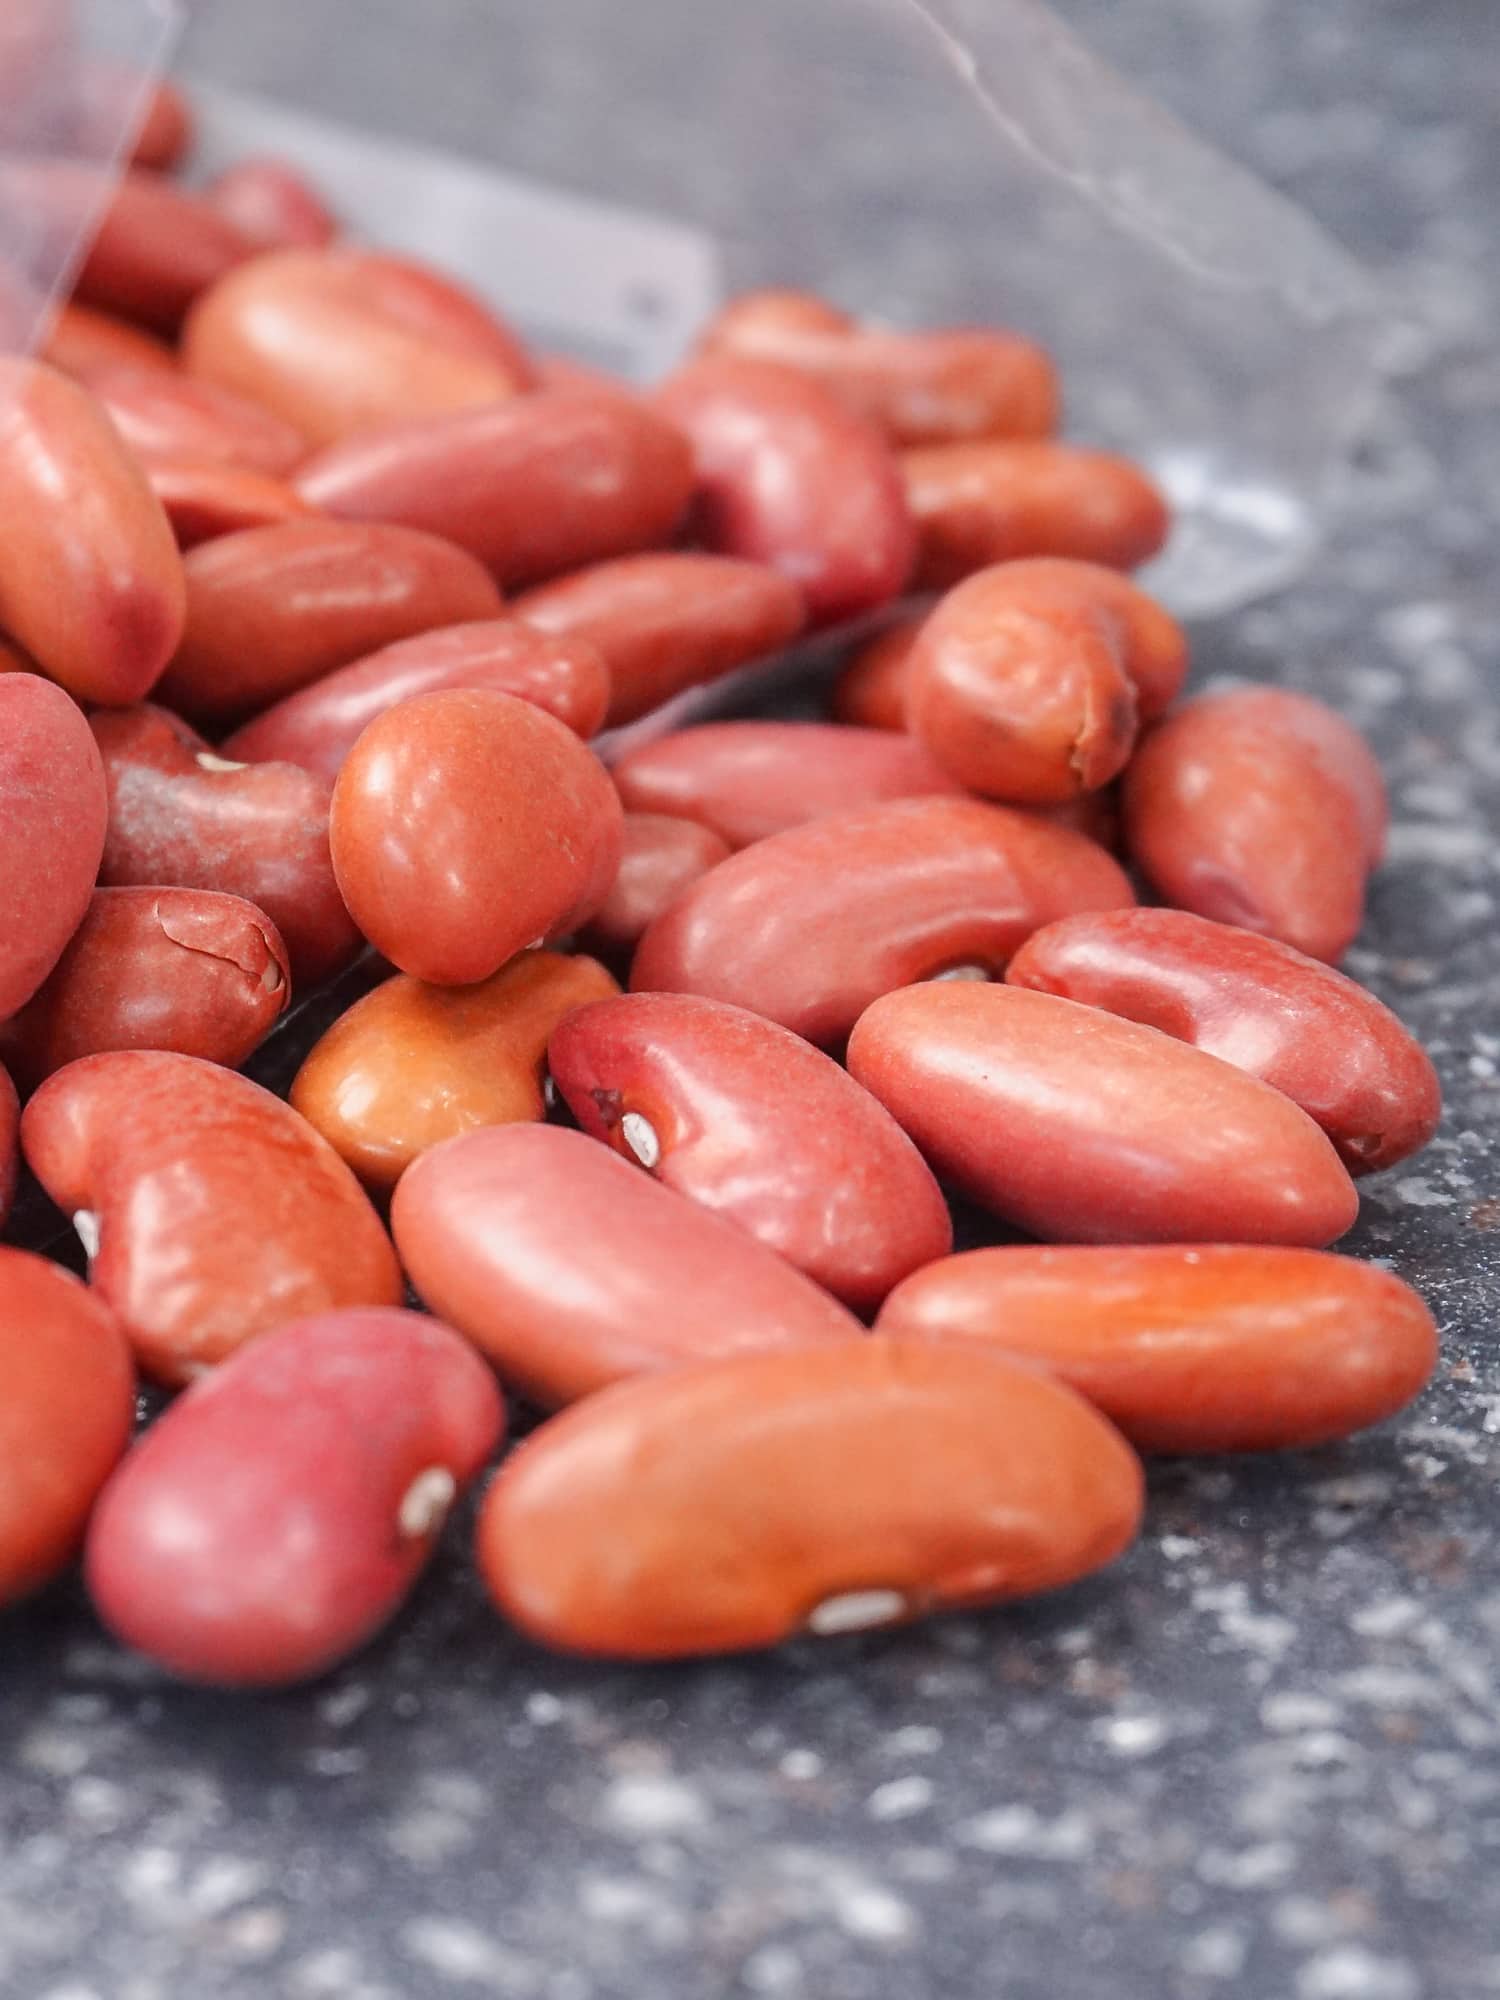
(462, 1954)
(1021, 1830)
(1350, 1972)
(1132, 1735)
(641, 1805)
(900, 1798)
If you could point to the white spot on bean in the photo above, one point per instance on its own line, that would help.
(425, 1503)
(960, 972)
(207, 761)
(640, 1136)
(87, 1224)
(856, 1611)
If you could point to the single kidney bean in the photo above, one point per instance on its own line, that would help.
(1218, 1348)
(182, 816)
(183, 969)
(340, 340)
(789, 475)
(467, 825)
(270, 609)
(661, 857)
(1075, 1124)
(53, 808)
(810, 926)
(1233, 813)
(164, 415)
(317, 1468)
(870, 691)
(668, 622)
(410, 1065)
(82, 342)
(734, 1504)
(317, 727)
(204, 502)
(156, 249)
(10, 1143)
(534, 487)
(211, 1210)
(91, 583)
(1316, 1036)
(165, 132)
(749, 1120)
(998, 498)
(1338, 749)
(269, 201)
(488, 1229)
(65, 1417)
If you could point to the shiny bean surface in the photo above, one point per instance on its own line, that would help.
(661, 857)
(157, 248)
(164, 415)
(272, 204)
(205, 502)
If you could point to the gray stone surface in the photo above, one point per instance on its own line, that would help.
(1262, 1757)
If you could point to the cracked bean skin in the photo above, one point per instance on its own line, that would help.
(870, 691)
(182, 969)
(272, 204)
(1309, 1031)
(81, 342)
(811, 925)
(317, 1468)
(1074, 1124)
(410, 1065)
(468, 825)
(91, 583)
(182, 816)
(1220, 1348)
(737, 1503)
(491, 1228)
(65, 1417)
(660, 857)
(156, 250)
(751, 1121)
(219, 1211)
(204, 502)
(164, 415)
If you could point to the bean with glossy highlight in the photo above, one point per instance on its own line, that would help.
(272, 204)
(171, 416)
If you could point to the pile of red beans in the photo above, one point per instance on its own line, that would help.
(265, 710)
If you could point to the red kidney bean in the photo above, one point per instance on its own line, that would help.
(91, 582)
(1217, 1348)
(65, 1417)
(157, 248)
(561, 371)
(661, 857)
(205, 502)
(1316, 1036)
(534, 487)
(488, 1229)
(212, 1211)
(789, 475)
(870, 692)
(270, 202)
(1075, 1124)
(753, 1122)
(271, 609)
(410, 1065)
(338, 340)
(182, 816)
(669, 622)
(10, 1143)
(467, 825)
(164, 415)
(82, 342)
(1234, 813)
(317, 726)
(734, 1504)
(998, 498)
(183, 969)
(813, 924)
(165, 132)
(317, 1468)
(1335, 746)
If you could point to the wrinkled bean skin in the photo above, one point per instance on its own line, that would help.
(269, 202)
(166, 129)
(534, 487)
(756, 1124)
(668, 622)
(338, 341)
(661, 857)
(317, 1468)
(1075, 1124)
(997, 499)
(1294, 1022)
(91, 583)
(82, 342)
(65, 1417)
(271, 609)
(204, 502)
(170, 416)
(813, 924)
(182, 969)
(180, 816)
(53, 809)
(467, 825)
(870, 692)
(410, 1065)
(1235, 814)
(733, 1505)
(489, 1229)
(10, 1143)
(1220, 1348)
(220, 1212)
(788, 475)
(157, 248)
(317, 727)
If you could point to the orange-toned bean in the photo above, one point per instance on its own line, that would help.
(271, 609)
(668, 622)
(165, 133)
(660, 857)
(172, 416)
(735, 1504)
(274, 205)
(810, 926)
(492, 1233)
(1075, 1124)
(157, 248)
(211, 1210)
(996, 499)
(870, 691)
(410, 1065)
(205, 502)
(534, 487)
(1219, 1348)
(81, 341)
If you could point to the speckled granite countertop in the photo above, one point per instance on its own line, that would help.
(1261, 1759)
